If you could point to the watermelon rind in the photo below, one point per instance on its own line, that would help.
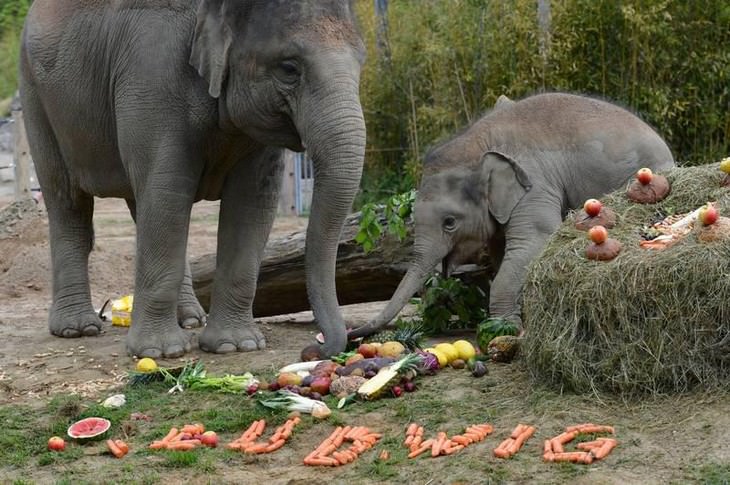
(89, 429)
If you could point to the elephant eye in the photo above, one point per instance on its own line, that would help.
(449, 224)
(288, 70)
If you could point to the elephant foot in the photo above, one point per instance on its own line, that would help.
(190, 314)
(86, 324)
(238, 338)
(167, 341)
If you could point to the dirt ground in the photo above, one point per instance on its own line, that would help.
(664, 439)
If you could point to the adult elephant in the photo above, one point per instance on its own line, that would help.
(167, 102)
(509, 180)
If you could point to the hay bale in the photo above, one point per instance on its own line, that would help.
(647, 322)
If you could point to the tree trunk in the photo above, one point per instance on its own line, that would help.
(361, 277)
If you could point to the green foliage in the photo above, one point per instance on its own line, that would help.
(449, 61)
(12, 14)
(396, 212)
(449, 304)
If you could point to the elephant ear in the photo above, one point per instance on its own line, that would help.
(507, 184)
(211, 44)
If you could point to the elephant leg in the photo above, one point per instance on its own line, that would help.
(190, 313)
(525, 238)
(248, 208)
(70, 213)
(164, 198)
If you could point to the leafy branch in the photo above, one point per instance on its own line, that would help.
(396, 213)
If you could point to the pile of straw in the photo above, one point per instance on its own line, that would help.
(647, 322)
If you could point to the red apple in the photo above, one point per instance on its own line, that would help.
(598, 234)
(209, 438)
(708, 215)
(592, 207)
(367, 350)
(56, 443)
(644, 176)
(321, 385)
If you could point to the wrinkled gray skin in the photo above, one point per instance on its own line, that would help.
(507, 183)
(167, 102)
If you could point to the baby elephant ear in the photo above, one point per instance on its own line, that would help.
(211, 43)
(507, 184)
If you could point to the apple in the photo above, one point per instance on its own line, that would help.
(56, 443)
(708, 215)
(209, 438)
(725, 164)
(367, 350)
(288, 379)
(644, 176)
(598, 234)
(356, 357)
(592, 207)
(321, 385)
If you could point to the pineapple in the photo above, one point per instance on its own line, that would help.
(408, 334)
(388, 376)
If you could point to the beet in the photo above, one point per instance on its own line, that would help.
(365, 365)
(307, 381)
(409, 386)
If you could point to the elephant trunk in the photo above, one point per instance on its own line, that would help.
(334, 135)
(414, 278)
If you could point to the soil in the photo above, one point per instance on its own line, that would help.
(662, 437)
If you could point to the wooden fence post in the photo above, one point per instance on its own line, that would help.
(21, 158)
(287, 194)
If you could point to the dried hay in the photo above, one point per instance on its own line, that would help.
(647, 322)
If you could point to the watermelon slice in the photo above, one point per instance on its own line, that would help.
(89, 429)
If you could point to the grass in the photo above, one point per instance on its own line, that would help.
(446, 402)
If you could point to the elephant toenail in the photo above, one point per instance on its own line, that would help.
(247, 346)
(70, 333)
(191, 322)
(174, 351)
(151, 353)
(226, 348)
(262, 344)
(91, 330)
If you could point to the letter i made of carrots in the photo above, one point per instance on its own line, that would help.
(328, 452)
(510, 446)
(247, 441)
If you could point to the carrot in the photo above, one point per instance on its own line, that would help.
(384, 455)
(416, 442)
(576, 427)
(501, 453)
(409, 439)
(518, 431)
(461, 440)
(114, 449)
(438, 444)
(589, 445)
(234, 446)
(420, 431)
(547, 446)
(180, 446)
(201, 428)
(190, 429)
(504, 444)
(256, 448)
(515, 446)
(320, 461)
(340, 457)
(328, 450)
(157, 445)
(122, 446)
(565, 437)
(260, 427)
(557, 447)
(548, 456)
(170, 435)
(604, 450)
(177, 437)
(424, 446)
(453, 449)
(594, 428)
(474, 436)
(574, 456)
(412, 429)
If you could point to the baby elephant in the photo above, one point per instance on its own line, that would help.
(508, 181)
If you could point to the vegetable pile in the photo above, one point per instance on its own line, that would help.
(598, 449)
(187, 438)
(512, 445)
(442, 444)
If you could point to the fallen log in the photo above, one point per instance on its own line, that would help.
(361, 277)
